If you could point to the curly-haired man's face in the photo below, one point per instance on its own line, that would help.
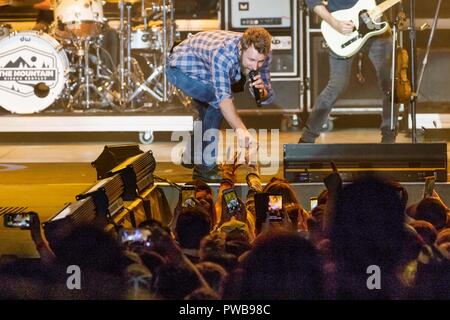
(251, 59)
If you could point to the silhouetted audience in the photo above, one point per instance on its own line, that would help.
(367, 229)
(192, 225)
(433, 211)
(281, 265)
(213, 273)
(359, 242)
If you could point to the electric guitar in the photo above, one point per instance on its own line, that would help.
(365, 15)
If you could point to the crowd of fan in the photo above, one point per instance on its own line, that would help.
(206, 254)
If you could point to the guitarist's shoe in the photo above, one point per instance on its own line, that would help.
(305, 138)
(303, 141)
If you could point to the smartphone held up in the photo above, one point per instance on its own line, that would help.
(141, 236)
(269, 207)
(231, 202)
(17, 220)
(275, 208)
(187, 195)
(429, 186)
(313, 202)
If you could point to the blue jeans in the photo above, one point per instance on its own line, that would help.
(380, 52)
(210, 117)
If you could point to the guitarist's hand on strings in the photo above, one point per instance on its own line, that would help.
(344, 27)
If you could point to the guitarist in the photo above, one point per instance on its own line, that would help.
(379, 49)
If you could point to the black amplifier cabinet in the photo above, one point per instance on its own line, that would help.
(434, 95)
(279, 17)
(284, 20)
(401, 162)
(427, 9)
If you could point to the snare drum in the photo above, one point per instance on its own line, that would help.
(147, 39)
(34, 70)
(83, 18)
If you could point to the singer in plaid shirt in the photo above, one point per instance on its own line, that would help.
(213, 57)
(205, 66)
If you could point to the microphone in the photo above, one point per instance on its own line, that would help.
(256, 92)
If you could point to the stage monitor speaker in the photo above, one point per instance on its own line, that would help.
(402, 162)
(136, 173)
(82, 212)
(113, 155)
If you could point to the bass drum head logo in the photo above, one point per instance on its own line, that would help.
(28, 62)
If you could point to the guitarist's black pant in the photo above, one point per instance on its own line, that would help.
(380, 54)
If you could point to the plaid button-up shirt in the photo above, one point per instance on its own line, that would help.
(213, 57)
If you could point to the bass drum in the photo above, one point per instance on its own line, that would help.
(34, 70)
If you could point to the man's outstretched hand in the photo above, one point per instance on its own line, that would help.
(245, 139)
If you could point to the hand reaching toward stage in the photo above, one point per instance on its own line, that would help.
(229, 167)
(46, 254)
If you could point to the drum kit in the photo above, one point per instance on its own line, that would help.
(73, 68)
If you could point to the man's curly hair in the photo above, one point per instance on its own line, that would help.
(260, 38)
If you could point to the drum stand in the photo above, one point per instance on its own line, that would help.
(125, 61)
(155, 86)
(100, 64)
(87, 89)
(155, 92)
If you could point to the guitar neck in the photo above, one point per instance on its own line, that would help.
(382, 7)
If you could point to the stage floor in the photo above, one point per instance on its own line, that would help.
(44, 171)
(64, 158)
